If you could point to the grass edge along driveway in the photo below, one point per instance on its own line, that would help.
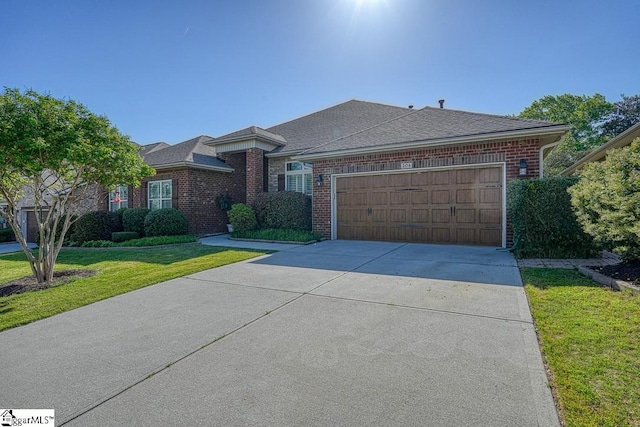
(118, 272)
(590, 339)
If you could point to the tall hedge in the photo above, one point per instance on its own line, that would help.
(283, 209)
(242, 217)
(607, 201)
(543, 221)
(96, 225)
(165, 222)
(133, 220)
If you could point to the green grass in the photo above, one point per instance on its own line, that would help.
(143, 241)
(118, 271)
(590, 338)
(277, 235)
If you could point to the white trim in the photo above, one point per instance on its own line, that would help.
(541, 161)
(427, 144)
(502, 165)
(245, 144)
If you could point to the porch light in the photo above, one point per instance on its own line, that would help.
(523, 168)
(320, 180)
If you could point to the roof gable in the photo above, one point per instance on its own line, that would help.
(332, 123)
(431, 125)
(193, 153)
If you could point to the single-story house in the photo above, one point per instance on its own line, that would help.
(374, 172)
(598, 154)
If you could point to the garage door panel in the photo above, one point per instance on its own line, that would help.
(441, 216)
(399, 198)
(419, 197)
(465, 216)
(398, 215)
(420, 216)
(466, 196)
(490, 216)
(444, 206)
(441, 197)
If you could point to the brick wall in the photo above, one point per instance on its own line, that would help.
(509, 152)
(197, 191)
(255, 173)
(276, 167)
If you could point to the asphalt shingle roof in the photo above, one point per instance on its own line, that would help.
(252, 131)
(331, 123)
(193, 151)
(428, 124)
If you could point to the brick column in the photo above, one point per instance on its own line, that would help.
(255, 173)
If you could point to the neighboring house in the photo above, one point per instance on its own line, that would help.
(599, 153)
(374, 171)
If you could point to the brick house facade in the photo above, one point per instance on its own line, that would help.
(388, 155)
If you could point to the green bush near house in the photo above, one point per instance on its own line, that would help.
(607, 201)
(543, 221)
(6, 235)
(165, 222)
(133, 220)
(283, 209)
(123, 236)
(278, 235)
(242, 217)
(96, 225)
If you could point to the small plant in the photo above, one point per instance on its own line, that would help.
(242, 217)
(97, 244)
(123, 236)
(165, 222)
(224, 202)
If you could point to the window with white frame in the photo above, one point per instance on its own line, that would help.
(299, 177)
(119, 198)
(159, 194)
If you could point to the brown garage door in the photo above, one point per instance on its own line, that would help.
(460, 206)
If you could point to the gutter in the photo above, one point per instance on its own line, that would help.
(544, 147)
(192, 166)
(435, 143)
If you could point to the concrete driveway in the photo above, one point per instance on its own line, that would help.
(335, 333)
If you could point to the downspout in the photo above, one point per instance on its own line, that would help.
(542, 149)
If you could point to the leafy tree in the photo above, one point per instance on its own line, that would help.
(55, 152)
(607, 200)
(586, 115)
(626, 113)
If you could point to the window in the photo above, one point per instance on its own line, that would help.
(299, 177)
(160, 193)
(119, 198)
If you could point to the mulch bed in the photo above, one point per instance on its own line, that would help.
(30, 284)
(627, 272)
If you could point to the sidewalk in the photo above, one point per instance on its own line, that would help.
(6, 248)
(607, 258)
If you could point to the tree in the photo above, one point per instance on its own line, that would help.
(57, 153)
(607, 200)
(625, 114)
(586, 115)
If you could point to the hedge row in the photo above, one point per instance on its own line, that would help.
(543, 221)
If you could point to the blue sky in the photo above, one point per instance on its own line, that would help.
(172, 70)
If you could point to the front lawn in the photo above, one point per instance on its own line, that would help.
(590, 339)
(118, 271)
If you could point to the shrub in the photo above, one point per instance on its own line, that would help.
(242, 217)
(543, 221)
(6, 235)
(283, 209)
(607, 201)
(123, 236)
(165, 222)
(97, 244)
(96, 225)
(133, 220)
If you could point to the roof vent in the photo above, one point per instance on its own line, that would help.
(441, 101)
